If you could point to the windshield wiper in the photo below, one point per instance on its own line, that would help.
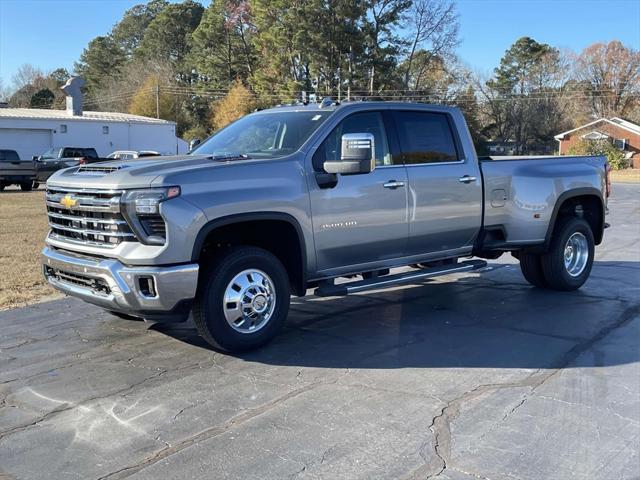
(227, 156)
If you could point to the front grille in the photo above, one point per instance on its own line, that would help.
(98, 285)
(88, 217)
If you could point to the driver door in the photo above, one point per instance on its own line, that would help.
(361, 220)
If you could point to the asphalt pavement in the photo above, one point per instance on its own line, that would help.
(465, 377)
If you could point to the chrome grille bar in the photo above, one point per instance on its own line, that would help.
(83, 219)
(86, 231)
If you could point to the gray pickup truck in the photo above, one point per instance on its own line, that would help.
(14, 171)
(294, 198)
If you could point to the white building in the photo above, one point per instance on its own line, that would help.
(32, 131)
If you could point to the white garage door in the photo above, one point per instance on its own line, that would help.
(27, 142)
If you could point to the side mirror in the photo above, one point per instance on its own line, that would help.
(357, 155)
(35, 158)
(194, 143)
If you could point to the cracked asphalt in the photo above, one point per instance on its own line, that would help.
(464, 377)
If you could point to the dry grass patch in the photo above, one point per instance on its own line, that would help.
(631, 175)
(23, 228)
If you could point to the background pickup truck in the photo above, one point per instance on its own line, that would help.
(58, 158)
(293, 198)
(14, 171)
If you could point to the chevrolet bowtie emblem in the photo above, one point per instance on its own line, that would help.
(68, 201)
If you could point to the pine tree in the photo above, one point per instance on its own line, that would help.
(221, 48)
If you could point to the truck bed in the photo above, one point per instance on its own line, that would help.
(11, 170)
(521, 191)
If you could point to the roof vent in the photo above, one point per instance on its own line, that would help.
(73, 90)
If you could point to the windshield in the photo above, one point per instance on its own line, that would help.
(264, 135)
(51, 153)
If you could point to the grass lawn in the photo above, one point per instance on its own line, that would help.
(23, 228)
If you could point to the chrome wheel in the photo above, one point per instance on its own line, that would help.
(576, 254)
(249, 301)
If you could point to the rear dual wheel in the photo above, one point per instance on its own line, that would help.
(567, 264)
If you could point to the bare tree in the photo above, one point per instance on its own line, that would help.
(611, 76)
(26, 75)
(4, 92)
(433, 27)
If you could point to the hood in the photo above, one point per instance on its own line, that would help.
(136, 173)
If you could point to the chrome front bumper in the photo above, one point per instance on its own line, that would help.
(149, 292)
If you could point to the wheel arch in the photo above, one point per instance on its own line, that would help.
(566, 204)
(290, 248)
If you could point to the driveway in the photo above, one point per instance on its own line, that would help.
(464, 377)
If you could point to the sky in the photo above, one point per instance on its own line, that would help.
(52, 33)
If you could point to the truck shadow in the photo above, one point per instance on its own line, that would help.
(496, 320)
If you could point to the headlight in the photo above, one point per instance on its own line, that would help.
(147, 201)
(141, 209)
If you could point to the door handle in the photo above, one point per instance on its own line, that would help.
(392, 184)
(467, 179)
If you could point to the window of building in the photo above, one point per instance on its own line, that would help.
(63, 128)
(105, 130)
(620, 143)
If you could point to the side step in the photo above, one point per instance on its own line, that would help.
(397, 279)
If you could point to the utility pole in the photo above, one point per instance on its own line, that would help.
(157, 100)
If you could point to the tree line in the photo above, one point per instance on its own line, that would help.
(203, 67)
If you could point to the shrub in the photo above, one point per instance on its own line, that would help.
(237, 103)
(615, 157)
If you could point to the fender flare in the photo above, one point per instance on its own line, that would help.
(576, 192)
(248, 217)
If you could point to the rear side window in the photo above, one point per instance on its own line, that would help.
(426, 137)
(89, 152)
(8, 156)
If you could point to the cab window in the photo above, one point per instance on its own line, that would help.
(365, 122)
(425, 137)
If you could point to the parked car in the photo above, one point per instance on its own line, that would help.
(58, 158)
(131, 154)
(14, 171)
(292, 198)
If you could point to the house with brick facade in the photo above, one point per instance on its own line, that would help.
(623, 134)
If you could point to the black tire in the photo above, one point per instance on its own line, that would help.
(2, 186)
(553, 264)
(124, 316)
(25, 186)
(531, 266)
(208, 311)
(35, 185)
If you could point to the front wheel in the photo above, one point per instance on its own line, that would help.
(242, 300)
(26, 186)
(568, 262)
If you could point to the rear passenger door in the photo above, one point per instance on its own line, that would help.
(445, 188)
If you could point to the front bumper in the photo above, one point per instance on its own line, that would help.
(155, 293)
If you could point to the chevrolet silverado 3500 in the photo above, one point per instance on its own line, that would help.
(295, 197)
